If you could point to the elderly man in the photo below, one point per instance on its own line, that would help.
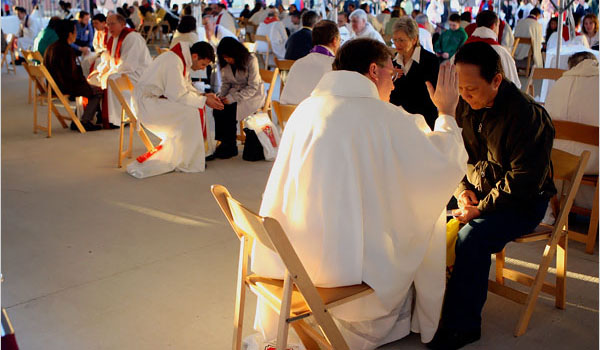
(362, 28)
(172, 109)
(530, 28)
(84, 43)
(215, 32)
(300, 43)
(425, 38)
(222, 17)
(29, 29)
(274, 29)
(487, 32)
(348, 153)
(506, 189)
(127, 54)
(307, 71)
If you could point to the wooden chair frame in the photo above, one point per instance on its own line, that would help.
(10, 66)
(587, 134)
(541, 74)
(51, 90)
(284, 67)
(283, 112)
(524, 41)
(569, 168)
(295, 297)
(264, 55)
(127, 117)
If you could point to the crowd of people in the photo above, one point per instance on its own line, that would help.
(405, 108)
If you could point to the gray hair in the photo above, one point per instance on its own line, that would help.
(359, 14)
(273, 13)
(579, 57)
(407, 25)
(422, 19)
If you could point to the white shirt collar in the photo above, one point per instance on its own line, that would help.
(416, 56)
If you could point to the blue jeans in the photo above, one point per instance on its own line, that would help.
(466, 291)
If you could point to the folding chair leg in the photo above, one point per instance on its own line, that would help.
(132, 125)
(561, 272)
(240, 295)
(593, 229)
(121, 132)
(500, 266)
(35, 108)
(30, 89)
(308, 342)
(49, 110)
(284, 313)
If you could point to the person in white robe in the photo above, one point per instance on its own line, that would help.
(223, 18)
(569, 99)
(487, 31)
(425, 38)
(135, 15)
(308, 70)
(348, 153)
(259, 17)
(529, 27)
(274, 29)
(578, 41)
(361, 28)
(89, 62)
(30, 26)
(186, 31)
(128, 55)
(372, 19)
(214, 32)
(291, 22)
(434, 12)
(172, 109)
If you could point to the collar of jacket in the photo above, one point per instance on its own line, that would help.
(347, 84)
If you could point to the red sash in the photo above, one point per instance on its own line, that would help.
(422, 26)
(109, 44)
(270, 20)
(219, 18)
(474, 39)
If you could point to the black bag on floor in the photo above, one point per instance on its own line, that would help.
(253, 150)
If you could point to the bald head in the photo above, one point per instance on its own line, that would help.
(115, 24)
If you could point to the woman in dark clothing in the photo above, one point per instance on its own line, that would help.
(415, 66)
(59, 59)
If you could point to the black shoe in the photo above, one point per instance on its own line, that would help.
(447, 339)
(91, 127)
(113, 126)
(211, 157)
(225, 152)
(74, 127)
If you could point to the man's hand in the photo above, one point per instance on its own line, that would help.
(214, 102)
(467, 198)
(466, 214)
(84, 50)
(445, 95)
(224, 100)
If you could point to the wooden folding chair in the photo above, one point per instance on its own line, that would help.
(264, 55)
(524, 41)
(541, 74)
(51, 90)
(117, 87)
(283, 112)
(514, 48)
(251, 31)
(587, 134)
(568, 168)
(284, 67)
(295, 297)
(10, 66)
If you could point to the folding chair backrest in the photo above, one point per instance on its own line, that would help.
(569, 168)
(38, 56)
(283, 112)
(284, 67)
(40, 72)
(540, 74)
(118, 86)
(268, 77)
(572, 131)
(514, 48)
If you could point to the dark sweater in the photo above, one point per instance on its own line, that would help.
(60, 61)
(298, 44)
(410, 90)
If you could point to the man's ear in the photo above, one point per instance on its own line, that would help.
(373, 72)
(497, 80)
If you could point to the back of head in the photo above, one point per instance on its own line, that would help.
(20, 9)
(535, 12)
(187, 10)
(466, 16)
(359, 14)
(309, 18)
(357, 55)
(483, 56)
(455, 17)
(273, 12)
(486, 19)
(187, 24)
(579, 57)
(204, 50)
(324, 33)
(54, 22)
(232, 48)
(99, 17)
(64, 28)
(422, 19)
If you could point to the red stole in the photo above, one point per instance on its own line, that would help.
(565, 33)
(422, 26)
(109, 44)
(474, 39)
(219, 18)
(270, 20)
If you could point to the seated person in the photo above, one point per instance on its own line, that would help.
(186, 31)
(361, 28)
(590, 29)
(292, 22)
(450, 40)
(307, 71)
(529, 27)
(299, 44)
(171, 108)
(274, 29)
(100, 39)
(214, 32)
(47, 36)
(574, 98)
(84, 43)
(242, 92)
(425, 38)
(30, 26)
(392, 236)
(506, 190)
(415, 66)
(60, 60)
(579, 39)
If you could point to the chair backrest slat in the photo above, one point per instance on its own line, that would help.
(569, 168)
(566, 130)
(283, 112)
(268, 77)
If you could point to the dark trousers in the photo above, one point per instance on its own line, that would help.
(93, 105)
(466, 291)
(81, 43)
(226, 125)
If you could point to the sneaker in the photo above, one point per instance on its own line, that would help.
(447, 339)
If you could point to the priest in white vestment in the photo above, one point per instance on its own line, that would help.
(360, 187)
(274, 29)
(223, 18)
(128, 55)
(425, 38)
(308, 70)
(487, 31)
(171, 108)
(530, 28)
(93, 59)
(215, 32)
(30, 26)
(363, 29)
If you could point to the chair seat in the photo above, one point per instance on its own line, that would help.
(273, 290)
(590, 180)
(541, 232)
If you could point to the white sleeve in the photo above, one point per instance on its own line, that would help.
(133, 56)
(178, 89)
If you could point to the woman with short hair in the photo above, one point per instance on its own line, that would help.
(590, 30)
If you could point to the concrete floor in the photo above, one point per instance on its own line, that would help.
(95, 259)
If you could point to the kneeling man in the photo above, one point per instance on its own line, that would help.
(360, 187)
(171, 108)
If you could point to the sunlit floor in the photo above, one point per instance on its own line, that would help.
(95, 259)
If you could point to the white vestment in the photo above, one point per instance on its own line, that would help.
(508, 38)
(304, 76)
(374, 22)
(167, 104)
(133, 62)
(31, 26)
(425, 40)
(93, 59)
(579, 40)
(289, 25)
(360, 187)
(191, 37)
(219, 33)
(530, 28)
(434, 12)
(369, 32)
(277, 35)
(345, 33)
(508, 63)
(258, 17)
(225, 19)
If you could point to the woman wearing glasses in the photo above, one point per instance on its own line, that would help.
(414, 67)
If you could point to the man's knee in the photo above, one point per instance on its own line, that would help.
(471, 239)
